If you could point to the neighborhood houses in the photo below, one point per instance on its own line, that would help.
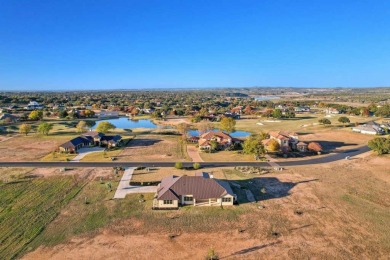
(88, 140)
(199, 190)
(370, 128)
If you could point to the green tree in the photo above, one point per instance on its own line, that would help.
(35, 115)
(81, 126)
(44, 128)
(104, 127)
(324, 121)
(179, 165)
(196, 166)
(213, 145)
(277, 113)
(380, 145)
(344, 120)
(227, 124)
(25, 129)
(62, 114)
(253, 145)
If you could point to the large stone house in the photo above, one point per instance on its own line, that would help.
(90, 139)
(370, 128)
(287, 141)
(198, 190)
(223, 140)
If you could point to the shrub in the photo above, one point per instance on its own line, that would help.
(179, 165)
(212, 255)
(196, 166)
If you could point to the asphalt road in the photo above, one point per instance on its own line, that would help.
(329, 158)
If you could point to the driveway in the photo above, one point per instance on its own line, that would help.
(125, 188)
(193, 153)
(84, 151)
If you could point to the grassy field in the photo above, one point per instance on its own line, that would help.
(58, 157)
(27, 207)
(226, 156)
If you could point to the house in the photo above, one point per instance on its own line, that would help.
(8, 117)
(223, 140)
(90, 139)
(198, 190)
(301, 109)
(34, 105)
(73, 145)
(332, 110)
(370, 128)
(302, 147)
(287, 141)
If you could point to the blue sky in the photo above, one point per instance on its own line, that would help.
(66, 44)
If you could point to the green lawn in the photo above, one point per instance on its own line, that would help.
(27, 207)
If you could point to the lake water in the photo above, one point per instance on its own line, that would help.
(124, 122)
(264, 98)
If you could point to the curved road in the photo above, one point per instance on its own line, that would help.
(326, 159)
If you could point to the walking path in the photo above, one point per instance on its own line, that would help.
(193, 153)
(84, 151)
(125, 188)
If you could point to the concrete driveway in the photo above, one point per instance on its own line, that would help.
(84, 151)
(193, 153)
(125, 188)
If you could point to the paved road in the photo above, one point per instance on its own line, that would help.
(325, 159)
(125, 188)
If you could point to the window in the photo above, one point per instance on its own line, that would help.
(188, 198)
(226, 199)
(168, 202)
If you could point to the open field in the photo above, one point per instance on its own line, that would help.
(154, 148)
(343, 207)
(226, 156)
(27, 206)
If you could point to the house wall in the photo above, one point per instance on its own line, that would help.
(160, 204)
(219, 201)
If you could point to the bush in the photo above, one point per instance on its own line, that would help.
(196, 166)
(179, 165)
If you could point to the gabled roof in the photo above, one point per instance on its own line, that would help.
(94, 134)
(210, 135)
(75, 142)
(111, 138)
(199, 187)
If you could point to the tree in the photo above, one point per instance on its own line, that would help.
(227, 124)
(62, 114)
(183, 128)
(213, 145)
(196, 166)
(179, 165)
(25, 129)
(344, 120)
(45, 128)
(273, 145)
(324, 121)
(253, 145)
(81, 126)
(89, 113)
(380, 145)
(104, 127)
(35, 115)
(277, 113)
(204, 127)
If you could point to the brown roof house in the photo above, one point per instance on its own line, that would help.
(287, 141)
(198, 190)
(223, 140)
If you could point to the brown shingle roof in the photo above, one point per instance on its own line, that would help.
(199, 187)
(210, 135)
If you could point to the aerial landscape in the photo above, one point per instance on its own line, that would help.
(194, 130)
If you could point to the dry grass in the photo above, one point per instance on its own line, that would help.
(226, 156)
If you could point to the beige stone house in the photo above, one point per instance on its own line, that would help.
(223, 140)
(198, 190)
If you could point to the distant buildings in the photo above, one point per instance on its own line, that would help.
(33, 105)
(107, 114)
(332, 110)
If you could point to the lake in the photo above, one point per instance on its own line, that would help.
(264, 98)
(125, 123)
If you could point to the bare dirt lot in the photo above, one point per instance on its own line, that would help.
(153, 148)
(339, 210)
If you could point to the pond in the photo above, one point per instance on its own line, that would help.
(125, 123)
(264, 98)
(236, 134)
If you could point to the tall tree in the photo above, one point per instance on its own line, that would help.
(45, 128)
(344, 120)
(183, 128)
(104, 127)
(253, 145)
(380, 145)
(25, 129)
(227, 124)
(35, 115)
(81, 126)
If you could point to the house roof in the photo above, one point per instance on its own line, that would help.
(210, 135)
(111, 138)
(204, 142)
(301, 144)
(75, 142)
(199, 187)
(94, 134)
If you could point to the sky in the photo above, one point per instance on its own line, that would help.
(114, 44)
